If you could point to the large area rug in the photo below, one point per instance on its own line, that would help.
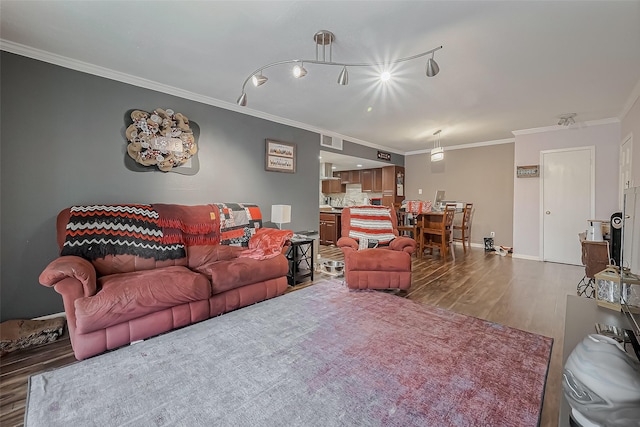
(319, 356)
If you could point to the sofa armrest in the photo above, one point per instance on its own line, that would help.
(347, 242)
(73, 267)
(403, 243)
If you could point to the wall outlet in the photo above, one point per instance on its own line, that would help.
(492, 234)
(419, 190)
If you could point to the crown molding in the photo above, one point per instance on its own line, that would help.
(588, 123)
(464, 146)
(107, 73)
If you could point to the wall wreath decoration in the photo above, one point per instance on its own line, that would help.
(161, 138)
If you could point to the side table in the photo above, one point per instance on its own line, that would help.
(300, 256)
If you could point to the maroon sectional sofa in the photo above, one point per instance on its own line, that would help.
(116, 298)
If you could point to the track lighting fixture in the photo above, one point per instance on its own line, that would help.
(324, 40)
(567, 119)
(437, 153)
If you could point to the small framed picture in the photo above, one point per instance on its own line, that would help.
(532, 171)
(280, 156)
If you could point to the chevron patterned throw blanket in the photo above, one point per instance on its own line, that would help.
(97, 231)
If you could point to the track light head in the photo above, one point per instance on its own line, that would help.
(242, 100)
(258, 80)
(343, 78)
(299, 71)
(432, 66)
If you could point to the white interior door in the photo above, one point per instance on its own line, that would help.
(625, 167)
(567, 202)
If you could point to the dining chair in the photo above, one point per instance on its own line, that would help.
(438, 235)
(407, 226)
(465, 227)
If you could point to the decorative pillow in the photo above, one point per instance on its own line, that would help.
(417, 206)
(371, 223)
(266, 243)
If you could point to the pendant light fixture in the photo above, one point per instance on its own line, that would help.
(437, 153)
(324, 40)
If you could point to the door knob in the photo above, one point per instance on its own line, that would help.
(548, 212)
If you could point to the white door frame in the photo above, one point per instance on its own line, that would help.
(592, 150)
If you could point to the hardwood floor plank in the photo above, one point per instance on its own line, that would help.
(527, 295)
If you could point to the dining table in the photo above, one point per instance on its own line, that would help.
(427, 220)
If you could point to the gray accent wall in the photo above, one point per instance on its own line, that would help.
(63, 144)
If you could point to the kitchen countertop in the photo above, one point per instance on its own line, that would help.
(330, 209)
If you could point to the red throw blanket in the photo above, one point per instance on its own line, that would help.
(189, 225)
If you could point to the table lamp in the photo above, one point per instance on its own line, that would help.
(280, 214)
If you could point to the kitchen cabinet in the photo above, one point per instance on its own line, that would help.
(329, 228)
(371, 180)
(343, 175)
(392, 185)
(348, 177)
(330, 186)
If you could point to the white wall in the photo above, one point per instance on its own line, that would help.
(526, 201)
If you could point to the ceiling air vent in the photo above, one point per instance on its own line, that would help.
(331, 142)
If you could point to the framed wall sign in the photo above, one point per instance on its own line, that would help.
(280, 156)
(532, 171)
(384, 156)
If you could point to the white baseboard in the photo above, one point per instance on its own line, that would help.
(51, 316)
(513, 255)
(527, 257)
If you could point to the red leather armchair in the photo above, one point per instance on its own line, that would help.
(387, 266)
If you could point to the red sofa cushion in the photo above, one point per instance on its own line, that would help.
(126, 296)
(225, 275)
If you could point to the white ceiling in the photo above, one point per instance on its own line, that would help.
(505, 65)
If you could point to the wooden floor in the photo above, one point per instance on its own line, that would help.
(527, 295)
